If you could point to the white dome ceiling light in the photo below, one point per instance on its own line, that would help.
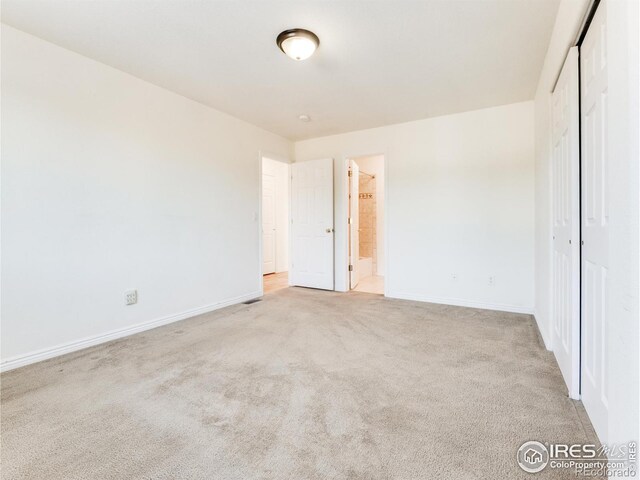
(298, 43)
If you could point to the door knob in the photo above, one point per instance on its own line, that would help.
(329, 230)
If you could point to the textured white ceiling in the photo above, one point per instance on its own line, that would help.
(379, 62)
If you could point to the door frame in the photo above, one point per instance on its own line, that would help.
(258, 214)
(342, 218)
(354, 244)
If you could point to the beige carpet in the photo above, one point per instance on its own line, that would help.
(303, 385)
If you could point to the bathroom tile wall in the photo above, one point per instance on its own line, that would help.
(367, 212)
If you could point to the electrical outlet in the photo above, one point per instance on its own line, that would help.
(131, 297)
(492, 281)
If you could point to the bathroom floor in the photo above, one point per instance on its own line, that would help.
(371, 284)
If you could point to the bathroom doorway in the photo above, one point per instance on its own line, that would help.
(366, 224)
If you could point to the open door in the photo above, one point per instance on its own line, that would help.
(268, 223)
(566, 223)
(354, 223)
(312, 224)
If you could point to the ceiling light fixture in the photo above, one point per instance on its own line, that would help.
(298, 43)
(304, 118)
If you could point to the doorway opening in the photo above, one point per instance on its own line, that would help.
(366, 224)
(275, 224)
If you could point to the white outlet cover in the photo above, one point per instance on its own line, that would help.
(131, 297)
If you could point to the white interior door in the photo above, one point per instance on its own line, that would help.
(312, 224)
(354, 225)
(595, 222)
(566, 223)
(268, 223)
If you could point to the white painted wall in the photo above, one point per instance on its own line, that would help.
(459, 201)
(280, 170)
(374, 165)
(623, 37)
(110, 183)
(624, 178)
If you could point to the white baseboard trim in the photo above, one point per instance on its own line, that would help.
(47, 353)
(501, 307)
